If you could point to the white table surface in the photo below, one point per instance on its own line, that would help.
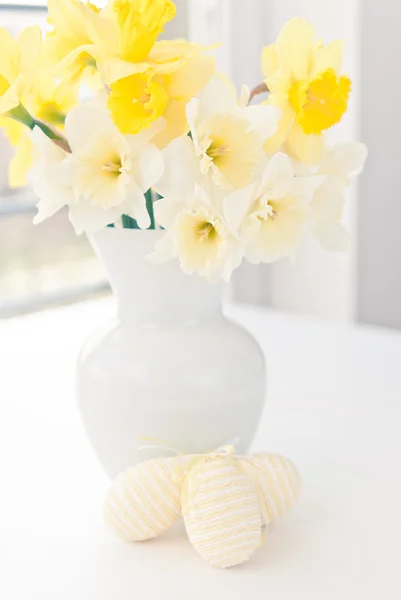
(334, 406)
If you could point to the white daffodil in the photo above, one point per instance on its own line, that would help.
(196, 232)
(272, 215)
(339, 164)
(50, 177)
(110, 171)
(104, 177)
(228, 136)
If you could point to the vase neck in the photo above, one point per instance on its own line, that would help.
(151, 294)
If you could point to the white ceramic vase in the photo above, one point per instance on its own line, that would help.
(170, 367)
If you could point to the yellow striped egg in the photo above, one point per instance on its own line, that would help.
(276, 481)
(221, 512)
(144, 501)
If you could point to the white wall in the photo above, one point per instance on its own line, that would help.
(379, 240)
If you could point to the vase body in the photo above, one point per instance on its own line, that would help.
(170, 366)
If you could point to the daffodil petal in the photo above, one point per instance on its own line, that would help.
(49, 177)
(270, 62)
(329, 200)
(176, 123)
(332, 236)
(86, 217)
(264, 119)
(83, 122)
(11, 98)
(181, 169)
(136, 207)
(306, 148)
(29, 45)
(306, 187)
(114, 69)
(344, 160)
(147, 167)
(279, 175)
(275, 142)
(277, 238)
(217, 97)
(328, 57)
(237, 206)
(192, 77)
(166, 210)
(7, 50)
(21, 163)
(295, 46)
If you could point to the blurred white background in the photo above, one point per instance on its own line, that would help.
(47, 264)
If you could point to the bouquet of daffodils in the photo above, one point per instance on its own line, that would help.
(130, 131)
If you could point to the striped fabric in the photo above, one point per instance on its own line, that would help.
(221, 512)
(144, 501)
(227, 501)
(276, 481)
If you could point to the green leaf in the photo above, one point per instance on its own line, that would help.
(129, 223)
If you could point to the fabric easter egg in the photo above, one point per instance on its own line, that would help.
(277, 482)
(221, 512)
(144, 501)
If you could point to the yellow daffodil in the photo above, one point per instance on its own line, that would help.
(18, 64)
(140, 23)
(121, 39)
(303, 77)
(135, 102)
(49, 102)
(116, 40)
(75, 25)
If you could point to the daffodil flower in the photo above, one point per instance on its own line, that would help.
(140, 23)
(229, 137)
(196, 232)
(18, 65)
(118, 40)
(75, 25)
(49, 102)
(272, 215)
(106, 173)
(340, 162)
(304, 80)
(135, 102)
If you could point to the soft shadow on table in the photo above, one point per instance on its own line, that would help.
(282, 546)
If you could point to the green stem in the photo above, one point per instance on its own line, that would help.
(149, 206)
(20, 114)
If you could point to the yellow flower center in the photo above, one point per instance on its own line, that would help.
(113, 167)
(229, 150)
(200, 238)
(206, 232)
(216, 150)
(320, 103)
(140, 23)
(135, 102)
